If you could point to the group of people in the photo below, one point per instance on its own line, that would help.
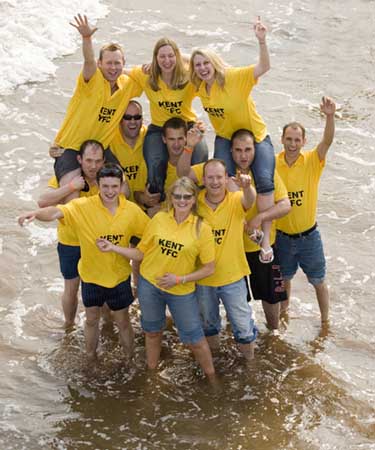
(147, 203)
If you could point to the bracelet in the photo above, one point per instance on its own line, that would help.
(178, 280)
(183, 279)
(188, 150)
(71, 186)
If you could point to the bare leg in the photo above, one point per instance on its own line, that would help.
(247, 350)
(126, 332)
(202, 354)
(322, 296)
(284, 306)
(92, 331)
(264, 202)
(66, 179)
(272, 313)
(153, 348)
(106, 314)
(69, 300)
(135, 276)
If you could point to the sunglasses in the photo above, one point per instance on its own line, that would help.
(130, 117)
(182, 196)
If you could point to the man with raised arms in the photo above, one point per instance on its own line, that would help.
(101, 96)
(91, 159)
(298, 239)
(225, 212)
(105, 277)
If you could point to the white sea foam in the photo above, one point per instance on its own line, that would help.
(34, 32)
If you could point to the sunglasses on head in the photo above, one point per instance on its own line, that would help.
(182, 196)
(130, 117)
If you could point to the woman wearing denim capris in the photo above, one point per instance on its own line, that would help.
(225, 95)
(170, 93)
(176, 250)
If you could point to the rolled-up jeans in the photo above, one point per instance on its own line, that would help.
(263, 166)
(155, 154)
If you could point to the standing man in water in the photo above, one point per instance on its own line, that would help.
(98, 104)
(105, 277)
(91, 159)
(298, 238)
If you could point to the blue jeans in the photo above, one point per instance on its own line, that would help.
(305, 252)
(263, 166)
(239, 312)
(184, 310)
(155, 154)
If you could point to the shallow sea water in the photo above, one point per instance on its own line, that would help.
(309, 389)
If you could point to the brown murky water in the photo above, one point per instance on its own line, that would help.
(309, 389)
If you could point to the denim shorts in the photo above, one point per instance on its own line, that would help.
(239, 312)
(69, 255)
(184, 310)
(118, 297)
(305, 252)
(263, 166)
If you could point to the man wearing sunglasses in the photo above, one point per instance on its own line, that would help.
(105, 277)
(102, 94)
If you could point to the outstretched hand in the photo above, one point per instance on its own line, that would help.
(260, 30)
(242, 180)
(327, 106)
(26, 218)
(83, 26)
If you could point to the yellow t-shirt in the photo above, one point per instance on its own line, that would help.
(91, 220)
(65, 234)
(175, 248)
(95, 113)
(131, 159)
(227, 223)
(232, 108)
(166, 103)
(302, 182)
(280, 193)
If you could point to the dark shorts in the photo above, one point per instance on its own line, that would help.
(69, 256)
(118, 297)
(68, 162)
(265, 279)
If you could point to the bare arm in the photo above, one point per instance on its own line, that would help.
(279, 209)
(243, 182)
(43, 214)
(127, 252)
(52, 196)
(327, 107)
(86, 31)
(263, 65)
(169, 280)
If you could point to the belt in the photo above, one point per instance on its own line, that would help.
(298, 235)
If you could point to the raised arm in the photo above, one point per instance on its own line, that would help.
(86, 31)
(244, 182)
(263, 65)
(183, 168)
(52, 196)
(327, 107)
(43, 214)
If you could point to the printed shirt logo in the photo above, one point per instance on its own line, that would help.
(170, 248)
(215, 112)
(113, 238)
(218, 235)
(106, 114)
(296, 197)
(131, 172)
(171, 107)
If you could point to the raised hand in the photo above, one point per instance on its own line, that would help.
(83, 26)
(260, 30)
(327, 106)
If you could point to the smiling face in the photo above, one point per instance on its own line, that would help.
(182, 200)
(293, 142)
(131, 122)
(111, 64)
(166, 59)
(109, 188)
(215, 179)
(243, 152)
(203, 68)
